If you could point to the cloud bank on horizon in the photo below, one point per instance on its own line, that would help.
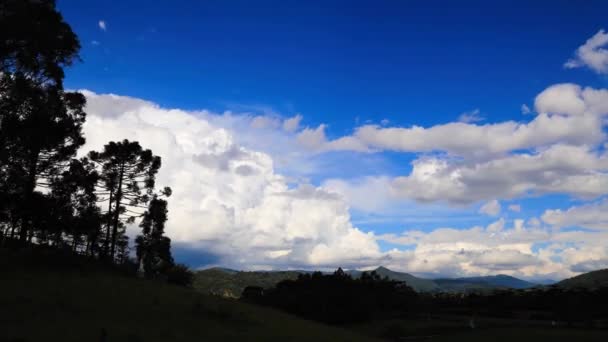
(241, 193)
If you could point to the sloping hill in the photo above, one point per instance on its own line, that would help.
(230, 283)
(590, 280)
(485, 283)
(39, 305)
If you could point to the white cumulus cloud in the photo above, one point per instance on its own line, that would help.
(492, 208)
(227, 199)
(591, 215)
(593, 54)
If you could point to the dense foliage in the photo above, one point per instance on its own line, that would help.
(338, 298)
(48, 197)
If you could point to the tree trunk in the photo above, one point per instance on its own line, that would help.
(30, 186)
(117, 211)
(106, 243)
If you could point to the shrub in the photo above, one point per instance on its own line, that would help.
(180, 275)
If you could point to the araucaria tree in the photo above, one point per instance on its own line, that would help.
(40, 123)
(47, 196)
(152, 247)
(127, 180)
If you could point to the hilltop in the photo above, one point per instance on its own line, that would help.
(590, 280)
(486, 283)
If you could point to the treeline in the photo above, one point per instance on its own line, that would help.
(48, 197)
(339, 299)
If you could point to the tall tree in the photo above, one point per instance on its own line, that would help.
(35, 41)
(128, 175)
(75, 201)
(152, 247)
(40, 123)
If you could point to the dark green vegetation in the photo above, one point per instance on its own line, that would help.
(418, 284)
(48, 197)
(590, 280)
(68, 300)
(390, 309)
(231, 283)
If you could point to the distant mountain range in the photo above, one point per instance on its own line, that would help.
(230, 283)
(483, 283)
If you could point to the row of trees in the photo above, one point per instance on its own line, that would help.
(339, 299)
(47, 195)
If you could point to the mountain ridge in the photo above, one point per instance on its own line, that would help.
(230, 283)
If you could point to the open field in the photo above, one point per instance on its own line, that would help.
(39, 305)
(456, 328)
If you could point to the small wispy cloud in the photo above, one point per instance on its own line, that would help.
(515, 207)
(102, 25)
(471, 116)
(525, 109)
(95, 43)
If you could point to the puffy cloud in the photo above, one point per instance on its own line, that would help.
(571, 99)
(590, 265)
(592, 54)
(559, 169)
(568, 114)
(228, 200)
(316, 140)
(515, 207)
(482, 140)
(292, 124)
(264, 121)
(477, 250)
(519, 250)
(492, 208)
(593, 215)
(102, 25)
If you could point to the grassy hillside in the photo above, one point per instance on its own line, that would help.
(230, 283)
(590, 280)
(39, 305)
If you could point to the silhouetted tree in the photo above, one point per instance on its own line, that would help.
(74, 193)
(180, 275)
(153, 248)
(40, 124)
(127, 180)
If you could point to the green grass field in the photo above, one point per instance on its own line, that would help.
(456, 328)
(42, 305)
(38, 305)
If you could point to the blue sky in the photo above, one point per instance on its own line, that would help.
(350, 64)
